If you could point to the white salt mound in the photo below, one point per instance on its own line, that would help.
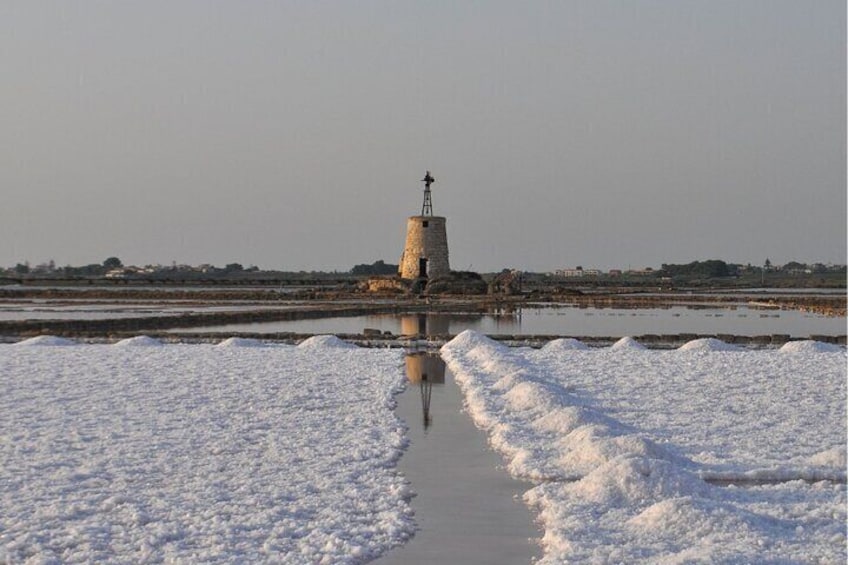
(627, 342)
(836, 457)
(469, 339)
(708, 344)
(634, 480)
(810, 346)
(324, 341)
(46, 340)
(240, 342)
(139, 341)
(564, 344)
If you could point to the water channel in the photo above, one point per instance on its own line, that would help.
(467, 508)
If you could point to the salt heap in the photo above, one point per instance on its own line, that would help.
(708, 344)
(48, 340)
(241, 342)
(325, 341)
(139, 341)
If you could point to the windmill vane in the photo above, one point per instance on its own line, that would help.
(427, 208)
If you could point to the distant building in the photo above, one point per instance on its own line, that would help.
(578, 272)
(118, 273)
(647, 271)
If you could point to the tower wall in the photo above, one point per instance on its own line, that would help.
(426, 238)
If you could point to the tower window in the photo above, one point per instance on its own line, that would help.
(425, 223)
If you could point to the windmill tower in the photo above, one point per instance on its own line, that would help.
(425, 254)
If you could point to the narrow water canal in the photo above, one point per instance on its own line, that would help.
(468, 510)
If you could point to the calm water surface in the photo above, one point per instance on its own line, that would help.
(593, 322)
(468, 509)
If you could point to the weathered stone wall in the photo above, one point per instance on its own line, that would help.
(385, 284)
(430, 242)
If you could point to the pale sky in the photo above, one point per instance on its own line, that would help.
(292, 135)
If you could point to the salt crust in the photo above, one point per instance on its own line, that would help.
(636, 432)
(198, 454)
(622, 476)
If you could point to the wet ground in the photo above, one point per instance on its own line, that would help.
(467, 508)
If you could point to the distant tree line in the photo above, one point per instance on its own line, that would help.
(715, 268)
(376, 268)
(92, 270)
(114, 267)
(796, 267)
(706, 269)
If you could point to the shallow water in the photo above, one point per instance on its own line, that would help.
(568, 321)
(468, 509)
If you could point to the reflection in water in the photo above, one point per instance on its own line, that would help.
(425, 369)
(426, 389)
(562, 320)
(424, 324)
(443, 324)
(506, 319)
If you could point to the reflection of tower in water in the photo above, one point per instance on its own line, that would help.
(425, 370)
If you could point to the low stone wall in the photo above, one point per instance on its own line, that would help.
(392, 285)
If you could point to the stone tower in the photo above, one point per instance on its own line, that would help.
(425, 254)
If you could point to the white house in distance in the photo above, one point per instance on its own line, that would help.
(578, 272)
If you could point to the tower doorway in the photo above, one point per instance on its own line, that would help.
(422, 267)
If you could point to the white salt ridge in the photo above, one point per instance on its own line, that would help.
(468, 340)
(544, 431)
(194, 454)
(627, 342)
(637, 431)
(46, 340)
(708, 344)
(241, 342)
(325, 341)
(139, 341)
(810, 346)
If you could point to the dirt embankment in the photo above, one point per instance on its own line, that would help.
(118, 326)
(826, 305)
